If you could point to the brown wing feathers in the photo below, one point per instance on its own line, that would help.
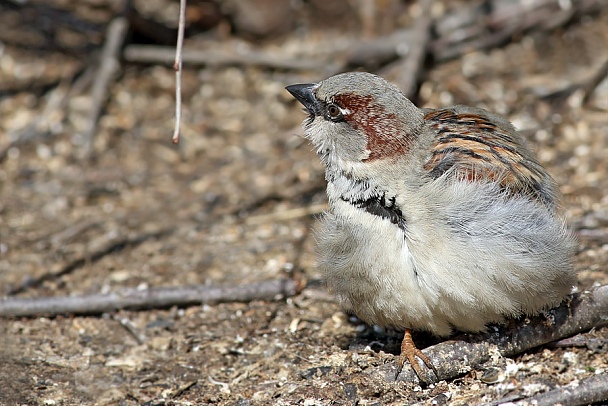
(471, 146)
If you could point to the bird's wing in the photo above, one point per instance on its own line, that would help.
(477, 145)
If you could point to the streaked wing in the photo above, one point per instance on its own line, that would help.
(477, 145)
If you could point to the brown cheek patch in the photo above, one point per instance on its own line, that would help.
(385, 136)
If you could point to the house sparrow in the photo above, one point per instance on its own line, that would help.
(438, 219)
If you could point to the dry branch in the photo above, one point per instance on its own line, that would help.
(408, 69)
(467, 29)
(475, 28)
(594, 81)
(587, 84)
(378, 51)
(458, 356)
(218, 57)
(177, 66)
(584, 392)
(90, 257)
(153, 298)
(108, 69)
(54, 111)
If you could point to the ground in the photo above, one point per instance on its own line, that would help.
(217, 209)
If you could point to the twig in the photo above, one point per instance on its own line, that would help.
(580, 340)
(71, 232)
(594, 81)
(407, 71)
(584, 392)
(367, 14)
(108, 68)
(90, 257)
(177, 65)
(379, 51)
(49, 28)
(53, 112)
(469, 29)
(219, 57)
(505, 21)
(587, 84)
(458, 356)
(130, 328)
(153, 298)
(182, 389)
(290, 194)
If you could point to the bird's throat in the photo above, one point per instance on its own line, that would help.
(365, 196)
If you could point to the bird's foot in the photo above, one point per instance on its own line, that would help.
(409, 352)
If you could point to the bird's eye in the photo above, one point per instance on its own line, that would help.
(333, 111)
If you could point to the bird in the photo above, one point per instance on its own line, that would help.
(438, 220)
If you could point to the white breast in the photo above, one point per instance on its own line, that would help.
(470, 257)
(368, 265)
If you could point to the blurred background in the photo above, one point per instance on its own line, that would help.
(94, 197)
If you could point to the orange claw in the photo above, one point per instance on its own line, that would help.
(409, 352)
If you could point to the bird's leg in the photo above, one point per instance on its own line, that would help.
(409, 352)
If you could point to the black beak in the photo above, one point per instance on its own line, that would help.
(303, 94)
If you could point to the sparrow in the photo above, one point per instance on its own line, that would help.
(438, 219)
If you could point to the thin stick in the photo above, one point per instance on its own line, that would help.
(108, 68)
(108, 248)
(178, 71)
(458, 356)
(587, 84)
(584, 392)
(594, 81)
(130, 328)
(411, 67)
(212, 56)
(153, 298)
(55, 107)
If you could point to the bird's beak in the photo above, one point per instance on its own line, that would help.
(303, 93)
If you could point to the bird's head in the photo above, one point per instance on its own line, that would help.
(356, 119)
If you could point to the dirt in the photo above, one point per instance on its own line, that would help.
(217, 209)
